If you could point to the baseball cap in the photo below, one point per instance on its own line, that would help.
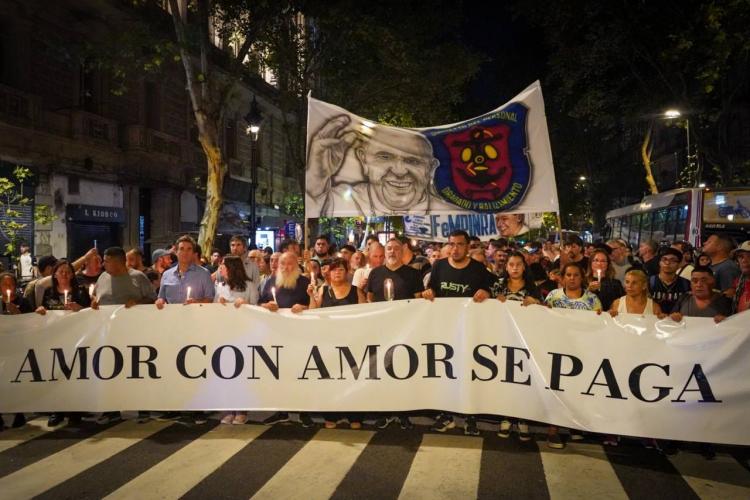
(745, 247)
(157, 254)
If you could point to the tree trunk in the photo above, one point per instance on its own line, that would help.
(646, 149)
(217, 169)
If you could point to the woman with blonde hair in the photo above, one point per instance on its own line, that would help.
(636, 299)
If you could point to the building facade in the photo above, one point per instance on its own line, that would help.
(119, 168)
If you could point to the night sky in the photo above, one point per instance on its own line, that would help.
(516, 55)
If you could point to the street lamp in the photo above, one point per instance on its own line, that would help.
(253, 118)
(672, 114)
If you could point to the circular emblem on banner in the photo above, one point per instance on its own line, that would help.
(483, 163)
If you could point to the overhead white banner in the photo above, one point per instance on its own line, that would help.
(498, 162)
(484, 226)
(629, 375)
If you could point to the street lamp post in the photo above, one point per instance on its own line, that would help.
(671, 114)
(253, 118)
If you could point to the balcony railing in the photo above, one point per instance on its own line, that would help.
(19, 107)
(87, 125)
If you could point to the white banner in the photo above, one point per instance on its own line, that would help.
(498, 162)
(629, 375)
(484, 226)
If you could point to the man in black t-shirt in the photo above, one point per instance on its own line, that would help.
(458, 276)
(407, 282)
(666, 287)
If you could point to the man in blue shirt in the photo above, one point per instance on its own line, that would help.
(185, 277)
(176, 282)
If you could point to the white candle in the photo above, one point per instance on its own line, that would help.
(188, 295)
(388, 284)
(7, 292)
(65, 295)
(273, 292)
(91, 290)
(599, 274)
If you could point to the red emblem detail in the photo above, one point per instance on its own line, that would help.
(480, 161)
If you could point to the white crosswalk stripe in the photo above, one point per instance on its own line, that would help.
(320, 466)
(718, 479)
(46, 473)
(31, 430)
(176, 475)
(327, 463)
(580, 471)
(446, 466)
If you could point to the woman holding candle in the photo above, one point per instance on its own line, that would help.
(338, 293)
(573, 295)
(517, 285)
(601, 278)
(237, 289)
(12, 301)
(235, 286)
(65, 293)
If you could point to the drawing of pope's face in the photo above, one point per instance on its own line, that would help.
(398, 167)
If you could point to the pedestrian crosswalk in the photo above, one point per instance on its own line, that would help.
(174, 460)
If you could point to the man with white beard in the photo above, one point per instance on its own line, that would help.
(289, 286)
(290, 290)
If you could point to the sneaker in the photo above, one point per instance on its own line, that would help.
(555, 441)
(110, 416)
(143, 417)
(523, 431)
(611, 440)
(504, 430)
(277, 418)
(227, 419)
(355, 425)
(405, 422)
(470, 426)
(576, 435)
(306, 420)
(240, 419)
(200, 418)
(383, 422)
(329, 424)
(55, 419)
(442, 423)
(18, 421)
(169, 415)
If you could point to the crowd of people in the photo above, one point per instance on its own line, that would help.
(662, 280)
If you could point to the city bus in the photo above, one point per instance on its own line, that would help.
(686, 214)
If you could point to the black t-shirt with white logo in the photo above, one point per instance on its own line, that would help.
(406, 282)
(447, 281)
(667, 295)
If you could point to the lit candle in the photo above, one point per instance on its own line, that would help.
(188, 295)
(388, 285)
(273, 292)
(599, 274)
(7, 292)
(65, 299)
(91, 290)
